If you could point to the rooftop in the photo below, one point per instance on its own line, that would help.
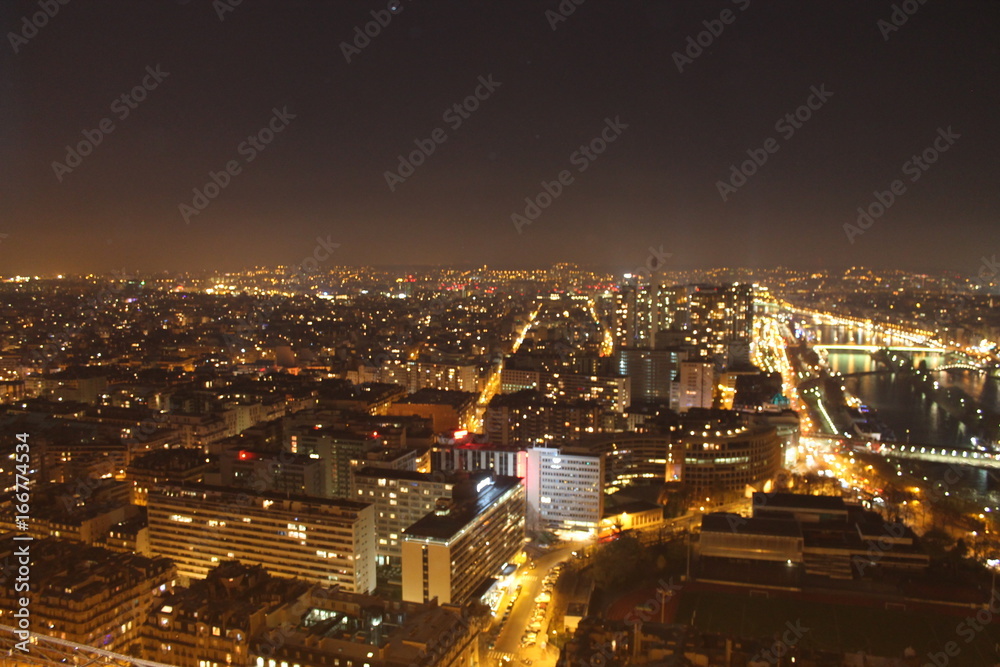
(444, 527)
(438, 397)
(194, 488)
(722, 522)
(784, 501)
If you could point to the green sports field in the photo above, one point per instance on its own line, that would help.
(841, 628)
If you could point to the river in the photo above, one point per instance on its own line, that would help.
(900, 402)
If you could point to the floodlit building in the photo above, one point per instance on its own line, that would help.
(448, 410)
(565, 490)
(401, 498)
(326, 541)
(454, 553)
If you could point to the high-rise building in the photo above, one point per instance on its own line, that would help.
(327, 541)
(565, 490)
(509, 461)
(651, 372)
(712, 316)
(401, 498)
(626, 325)
(629, 458)
(337, 447)
(454, 553)
(696, 386)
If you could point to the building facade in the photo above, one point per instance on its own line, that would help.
(455, 552)
(401, 498)
(529, 418)
(565, 490)
(326, 541)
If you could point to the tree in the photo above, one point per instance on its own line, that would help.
(936, 542)
(960, 551)
(617, 562)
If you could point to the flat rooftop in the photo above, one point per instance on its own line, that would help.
(786, 501)
(721, 522)
(444, 527)
(282, 500)
(406, 475)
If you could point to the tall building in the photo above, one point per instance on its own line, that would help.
(510, 461)
(326, 541)
(454, 553)
(651, 372)
(565, 490)
(401, 498)
(709, 316)
(696, 386)
(337, 447)
(629, 458)
(712, 316)
(626, 326)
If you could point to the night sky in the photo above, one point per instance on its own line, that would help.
(656, 184)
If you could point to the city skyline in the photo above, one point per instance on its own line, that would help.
(301, 120)
(524, 333)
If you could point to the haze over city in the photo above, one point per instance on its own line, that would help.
(226, 68)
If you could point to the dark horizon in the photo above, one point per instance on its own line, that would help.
(211, 81)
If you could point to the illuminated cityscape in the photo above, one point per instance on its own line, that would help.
(482, 334)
